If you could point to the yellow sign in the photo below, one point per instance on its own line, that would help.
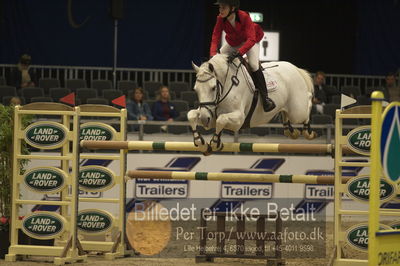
(388, 247)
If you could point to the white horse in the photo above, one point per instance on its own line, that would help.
(225, 93)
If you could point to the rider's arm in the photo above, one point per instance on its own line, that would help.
(250, 33)
(216, 36)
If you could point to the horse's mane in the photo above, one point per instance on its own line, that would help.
(217, 62)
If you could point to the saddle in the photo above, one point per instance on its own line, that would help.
(271, 83)
(246, 123)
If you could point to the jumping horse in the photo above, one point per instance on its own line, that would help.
(228, 99)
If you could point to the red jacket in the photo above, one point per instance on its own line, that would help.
(246, 32)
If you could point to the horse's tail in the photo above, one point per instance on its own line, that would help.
(307, 78)
(310, 88)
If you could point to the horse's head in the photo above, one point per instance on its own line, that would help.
(208, 87)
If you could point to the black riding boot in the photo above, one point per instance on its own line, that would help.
(261, 86)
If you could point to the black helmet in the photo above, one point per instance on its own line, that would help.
(235, 3)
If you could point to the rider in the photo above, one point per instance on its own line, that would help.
(242, 37)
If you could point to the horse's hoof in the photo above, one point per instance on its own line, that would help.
(311, 135)
(214, 146)
(293, 135)
(208, 151)
(221, 147)
(218, 148)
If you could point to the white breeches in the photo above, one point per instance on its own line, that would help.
(252, 54)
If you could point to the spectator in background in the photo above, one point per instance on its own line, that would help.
(319, 99)
(163, 109)
(15, 101)
(391, 90)
(137, 108)
(23, 76)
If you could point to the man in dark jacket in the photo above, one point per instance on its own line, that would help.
(319, 99)
(23, 76)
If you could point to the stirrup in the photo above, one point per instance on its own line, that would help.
(268, 105)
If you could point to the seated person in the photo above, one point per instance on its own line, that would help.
(23, 76)
(319, 99)
(391, 90)
(163, 109)
(15, 101)
(137, 108)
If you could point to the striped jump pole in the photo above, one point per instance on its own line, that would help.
(189, 146)
(234, 177)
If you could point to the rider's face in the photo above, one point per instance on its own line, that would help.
(224, 10)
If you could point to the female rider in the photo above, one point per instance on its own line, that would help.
(242, 37)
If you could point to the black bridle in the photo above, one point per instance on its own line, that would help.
(219, 97)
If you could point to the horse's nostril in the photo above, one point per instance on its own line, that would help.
(208, 120)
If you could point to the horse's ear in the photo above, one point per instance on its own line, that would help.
(196, 68)
(211, 67)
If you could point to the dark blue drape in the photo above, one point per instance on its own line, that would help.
(347, 36)
(153, 34)
(378, 43)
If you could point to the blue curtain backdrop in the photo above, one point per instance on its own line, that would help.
(338, 36)
(152, 34)
(378, 43)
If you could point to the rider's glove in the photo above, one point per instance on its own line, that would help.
(232, 56)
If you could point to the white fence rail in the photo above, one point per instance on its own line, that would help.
(166, 76)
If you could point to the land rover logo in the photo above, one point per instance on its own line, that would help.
(43, 225)
(45, 179)
(94, 221)
(95, 178)
(357, 235)
(395, 225)
(358, 188)
(46, 135)
(359, 140)
(97, 131)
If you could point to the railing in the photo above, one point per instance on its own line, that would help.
(139, 75)
(141, 135)
(236, 135)
(165, 76)
(361, 81)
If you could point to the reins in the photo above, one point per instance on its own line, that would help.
(219, 89)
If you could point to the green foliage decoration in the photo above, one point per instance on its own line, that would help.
(6, 156)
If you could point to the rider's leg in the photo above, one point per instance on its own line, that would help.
(258, 78)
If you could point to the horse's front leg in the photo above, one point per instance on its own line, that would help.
(198, 141)
(232, 121)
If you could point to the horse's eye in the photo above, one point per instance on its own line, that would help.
(213, 88)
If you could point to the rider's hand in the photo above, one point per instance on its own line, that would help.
(232, 56)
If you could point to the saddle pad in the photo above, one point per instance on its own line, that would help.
(272, 84)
